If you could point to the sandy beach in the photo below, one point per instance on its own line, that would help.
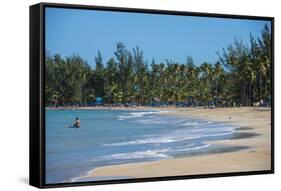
(255, 138)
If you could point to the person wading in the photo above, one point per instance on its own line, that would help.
(77, 123)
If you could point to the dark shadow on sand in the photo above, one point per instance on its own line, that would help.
(238, 135)
(226, 149)
(244, 128)
(215, 149)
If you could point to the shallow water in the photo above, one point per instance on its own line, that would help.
(109, 137)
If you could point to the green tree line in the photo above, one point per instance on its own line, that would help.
(241, 76)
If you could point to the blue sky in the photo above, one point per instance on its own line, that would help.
(84, 32)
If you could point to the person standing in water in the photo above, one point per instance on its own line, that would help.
(77, 123)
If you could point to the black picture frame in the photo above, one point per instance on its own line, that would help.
(37, 100)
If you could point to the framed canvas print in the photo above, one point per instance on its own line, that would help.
(122, 95)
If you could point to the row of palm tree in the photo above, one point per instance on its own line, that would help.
(241, 76)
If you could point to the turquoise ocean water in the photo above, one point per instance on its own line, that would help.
(109, 137)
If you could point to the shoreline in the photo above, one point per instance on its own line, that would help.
(112, 108)
(168, 108)
(256, 157)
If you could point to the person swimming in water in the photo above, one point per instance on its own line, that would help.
(77, 123)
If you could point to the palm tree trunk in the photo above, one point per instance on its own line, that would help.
(250, 93)
(216, 93)
(260, 79)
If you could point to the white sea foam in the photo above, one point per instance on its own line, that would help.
(189, 123)
(131, 115)
(148, 154)
(151, 120)
(176, 136)
(139, 155)
(193, 148)
(143, 141)
(151, 141)
(196, 123)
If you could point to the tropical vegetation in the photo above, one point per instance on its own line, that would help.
(241, 76)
